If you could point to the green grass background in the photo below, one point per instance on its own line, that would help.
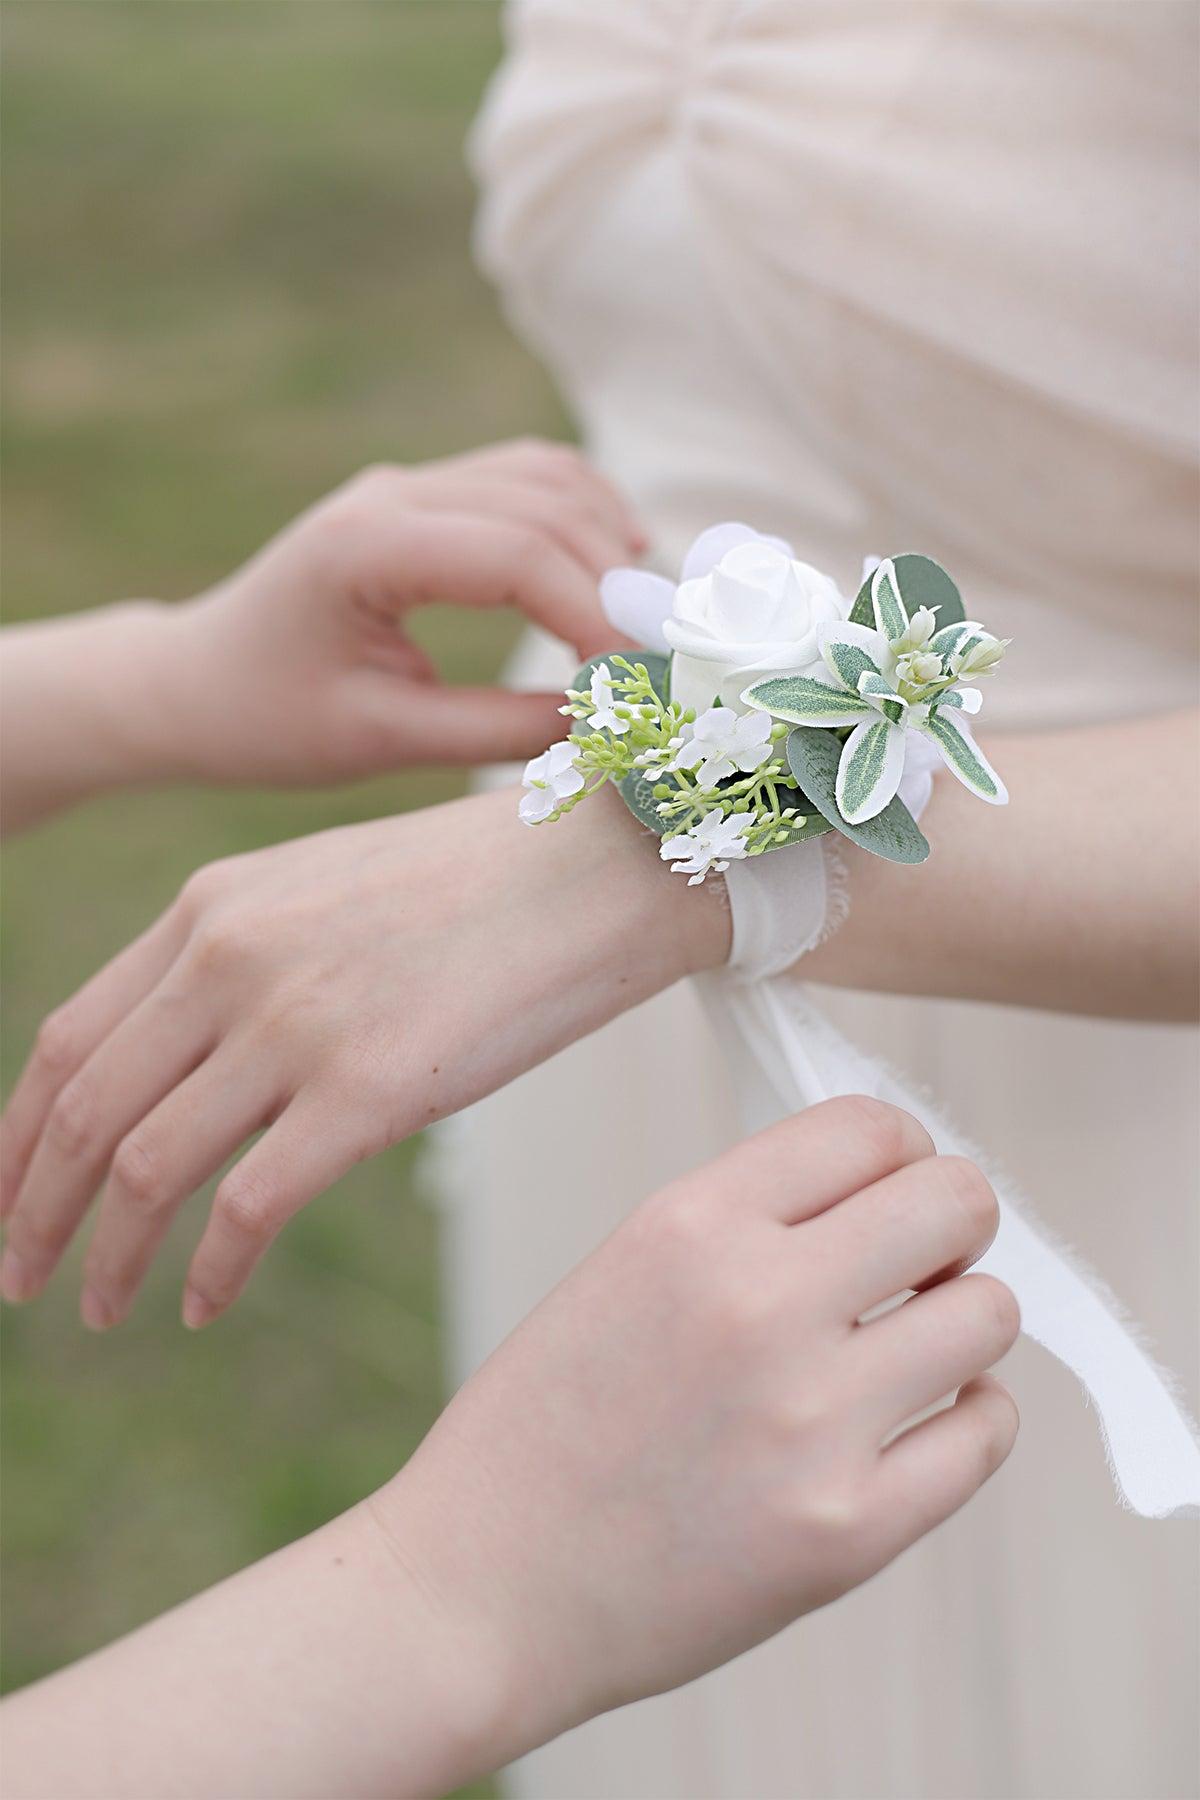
(236, 267)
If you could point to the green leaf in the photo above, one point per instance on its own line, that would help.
(949, 637)
(890, 616)
(922, 582)
(848, 660)
(813, 757)
(870, 768)
(883, 695)
(801, 700)
(656, 663)
(638, 794)
(963, 757)
(637, 791)
(815, 825)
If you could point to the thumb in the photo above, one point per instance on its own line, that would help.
(465, 726)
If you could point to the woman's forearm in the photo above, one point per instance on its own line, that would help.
(1079, 896)
(325, 1669)
(88, 703)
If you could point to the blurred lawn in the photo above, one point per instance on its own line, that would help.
(236, 268)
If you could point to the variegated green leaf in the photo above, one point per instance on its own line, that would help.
(967, 700)
(852, 650)
(948, 637)
(922, 582)
(963, 757)
(869, 772)
(883, 696)
(813, 758)
(890, 615)
(802, 701)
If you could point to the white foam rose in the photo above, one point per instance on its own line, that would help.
(756, 611)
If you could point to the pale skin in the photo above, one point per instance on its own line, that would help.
(698, 1406)
(347, 989)
(298, 668)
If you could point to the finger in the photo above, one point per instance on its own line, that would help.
(467, 560)
(815, 1159)
(69, 1036)
(464, 726)
(139, 1062)
(164, 1159)
(934, 1215)
(557, 466)
(918, 1353)
(303, 1153)
(934, 1468)
(566, 519)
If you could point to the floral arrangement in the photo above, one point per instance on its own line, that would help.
(765, 710)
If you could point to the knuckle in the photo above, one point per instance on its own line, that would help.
(137, 1173)
(969, 1189)
(742, 1314)
(376, 481)
(890, 1134)
(998, 1308)
(832, 1512)
(55, 1045)
(249, 1205)
(802, 1418)
(204, 886)
(215, 943)
(672, 1220)
(36, 1239)
(995, 1433)
(531, 549)
(557, 462)
(69, 1126)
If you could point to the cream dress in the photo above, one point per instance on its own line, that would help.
(885, 276)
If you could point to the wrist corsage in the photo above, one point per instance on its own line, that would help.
(765, 710)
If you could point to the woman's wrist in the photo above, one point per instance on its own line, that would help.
(654, 924)
(464, 1702)
(93, 702)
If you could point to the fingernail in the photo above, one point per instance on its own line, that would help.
(94, 1310)
(197, 1311)
(15, 1283)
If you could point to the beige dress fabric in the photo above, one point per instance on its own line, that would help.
(881, 277)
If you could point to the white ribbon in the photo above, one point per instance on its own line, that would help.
(787, 1056)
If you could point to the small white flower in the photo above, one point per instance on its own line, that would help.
(548, 780)
(918, 632)
(655, 760)
(712, 845)
(723, 743)
(917, 668)
(604, 718)
(980, 655)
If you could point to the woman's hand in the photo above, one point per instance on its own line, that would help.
(343, 990)
(687, 1445)
(298, 668)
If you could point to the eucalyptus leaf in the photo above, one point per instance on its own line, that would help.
(813, 757)
(815, 825)
(922, 582)
(637, 791)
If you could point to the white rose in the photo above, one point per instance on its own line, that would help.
(755, 611)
